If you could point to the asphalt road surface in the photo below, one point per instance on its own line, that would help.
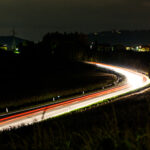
(133, 81)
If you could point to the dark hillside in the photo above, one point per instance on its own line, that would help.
(127, 38)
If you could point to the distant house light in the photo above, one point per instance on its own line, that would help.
(137, 48)
(4, 47)
(140, 46)
(128, 48)
(17, 51)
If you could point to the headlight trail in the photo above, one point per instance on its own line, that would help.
(133, 81)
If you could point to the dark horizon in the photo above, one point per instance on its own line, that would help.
(17, 35)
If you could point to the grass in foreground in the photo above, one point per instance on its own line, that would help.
(122, 125)
(48, 79)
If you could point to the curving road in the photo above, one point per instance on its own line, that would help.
(133, 81)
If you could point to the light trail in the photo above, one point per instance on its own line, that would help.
(133, 81)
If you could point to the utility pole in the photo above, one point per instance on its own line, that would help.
(14, 41)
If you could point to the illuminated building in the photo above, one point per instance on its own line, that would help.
(11, 43)
(139, 48)
(3, 47)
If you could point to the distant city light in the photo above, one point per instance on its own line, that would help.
(17, 51)
(139, 48)
(3, 47)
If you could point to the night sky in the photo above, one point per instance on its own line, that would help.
(33, 18)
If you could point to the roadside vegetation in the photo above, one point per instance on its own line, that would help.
(25, 83)
(38, 74)
(122, 124)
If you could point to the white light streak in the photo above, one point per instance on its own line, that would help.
(134, 81)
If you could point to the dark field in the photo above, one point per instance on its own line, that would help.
(31, 82)
(121, 125)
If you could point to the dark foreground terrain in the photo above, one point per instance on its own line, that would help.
(121, 125)
(27, 82)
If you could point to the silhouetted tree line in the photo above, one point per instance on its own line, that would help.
(76, 46)
(58, 45)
